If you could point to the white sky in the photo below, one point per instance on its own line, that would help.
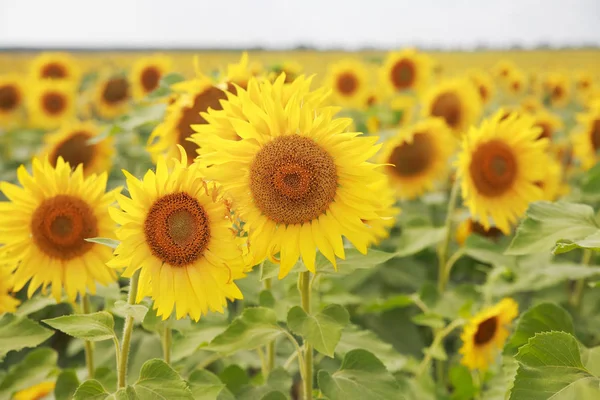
(280, 24)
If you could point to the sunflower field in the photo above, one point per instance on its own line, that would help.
(300, 225)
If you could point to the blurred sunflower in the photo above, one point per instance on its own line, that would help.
(44, 225)
(557, 89)
(503, 70)
(35, 392)
(112, 96)
(296, 177)
(548, 122)
(405, 70)
(418, 156)
(177, 229)
(59, 66)
(12, 97)
(194, 97)
(456, 102)
(586, 138)
(470, 226)
(50, 103)
(146, 73)
(485, 334)
(402, 109)
(531, 104)
(348, 80)
(8, 304)
(238, 74)
(292, 70)
(584, 81)
(516, 83)
(80, 143)
(484, 84)
(380, 226)
(551, 185)
(372, 98)
(498, 165)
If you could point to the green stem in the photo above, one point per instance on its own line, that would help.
(443, 251)
(167, 339)
(304, 285)
(577, 295)
(270, 361)
(127, 331)
(437, 340)
(86, 307)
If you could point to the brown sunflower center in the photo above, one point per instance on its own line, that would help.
(177, 229)
(493, 168)
(54, 70)
(411, 159)
(483, 92)
(595, 135)
(75, 150)
(516, 85)
(492, 233)
(546, 130)
(54, 103)
(60, 224)
(347, 83)
(403, 74)
(486, 331)
(116, 90)
(149, 78)
(371, 101)
(557, 92)
(447, 106)
(9, 97)
(293, 180)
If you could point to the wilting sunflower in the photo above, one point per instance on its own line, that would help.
(557, 89)
(548, 122)
(12, 97)
(80, 143)
(485, 334)
(296, 177)
(499, 165)
(469, 227)
(405, 70)
(177, 229)
(146, 73)
(50, 103)
(456, 102)
(484, 84)
(418, 157)
(35, 392)
(59, 66)
(348, 80)
(503, 70)
(291, 69)
(8, 304)
(112, 96)
(194, 97)
(586, 138)
(44, 225)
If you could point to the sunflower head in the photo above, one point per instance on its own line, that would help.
(12, 98)
(557, 89)
(57, 66)
(146, 73)
(586, 138)
(112, 96)
(484, 84)
(51, 103)
(516, 84)
(348, 80)
(503, 70)
(405, 70)
(549, 123)
(531, 104)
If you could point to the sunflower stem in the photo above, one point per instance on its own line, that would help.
(304, 282)
(86, 307)
(578, 288)
(167, 339)
(127, 331)
(440, 335)
(270, 361)
(443, 275)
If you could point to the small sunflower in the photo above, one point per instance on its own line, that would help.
(58, 66)
(348, 80)
(372, 98)
(548, 122)
(12, 97)
(503, 70)
(8, 304)
(456, 102)
(405, 70)
(470, 226)
(586, 140)
(498, 165)
(516, 83)
(291, 69)
(295, 176)
(484, 84)
(531, 104)
(112, 96)
(146, 73)
(35, 392)
(584, 82)
(485, 334)
(50, 103)
(418, 156)
(44, 225)
(80, 143)
(177, 229)
(557, 89)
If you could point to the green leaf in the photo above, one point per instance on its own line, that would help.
(91, 390)
(486, 251)
(235, 378)
(93, 327)
(34, 304)
(415, 239)
(543, 317)
(354, 260)
(322, 330)
(266, 299)
(17, 333)
(124, 309)
(278, 381)
(158, 381)
(546, 223)
(589, 242)
(205, 385)
(361, 376)
(256, 327)
(462, 382)
(591, 359)
(380, 305)
(274, 395)
(432, 320)
(66, 385)
(550, 367)
(112, 243)
(171, 79)
(34, 368)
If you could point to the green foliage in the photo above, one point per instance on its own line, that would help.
(112, 243)
(34, 368)
(17, 333)
(66, 385)
(205, 385)
(323, 330)
(93, 327)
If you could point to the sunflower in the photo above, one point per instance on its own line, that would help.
(584, 81)
(516, 83)
(380, 226)
(548, 122)
(503, 70)
(405, 70)
(456, 102)
(551, 185)
(112, 96)
(44, 225)
(58, 66)
(557, 89)
(372, 98)
(50, 103)
(177, 229)
(418, 156)
(470, 226)
(80, 143)
(295, 176)
(8, 304)
(12, 96)
(586, 140)
(146, 74)
(35, 392)
(484, 84)
(485, 334)
(194, 97)
(531, 104)
(499, 164)
(238, 74)
(348, 80)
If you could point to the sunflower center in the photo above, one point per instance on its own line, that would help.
(177, 229)
(493, 168)
(293, 180)
(411, 159)
(546, 130)
(596, 135)
(347, 83)
(54, 70)
(9, 97)
(492, 233)
(116, 90)
(483, 92)
(557, 92)
(486, 331)
(54, 103)
(150, 78)
(403, 74)
(447, 106)
(75, 150)
(60, 224)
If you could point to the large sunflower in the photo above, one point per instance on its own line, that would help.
(484, 84)
(193, 97)
(112, 96)
(348, 80)
(8, 304)
(456, 102)
(59, 66)
(44, 225)
(485, 334)
(499, 164)
(12, 97)
(146, 73)
(405, 70)
(418, 157)
(80, 143)
(50, 103)
(296, 177)
(586, 140)
(177, 229)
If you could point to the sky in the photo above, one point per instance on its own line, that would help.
(281, 24)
